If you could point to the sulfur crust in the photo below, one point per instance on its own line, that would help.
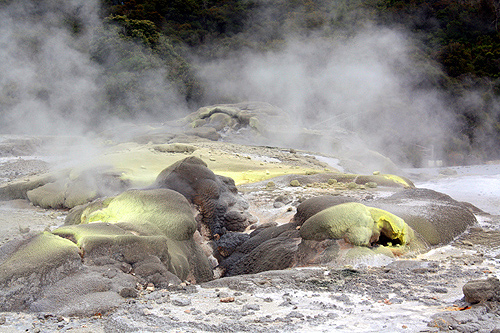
(357, 224)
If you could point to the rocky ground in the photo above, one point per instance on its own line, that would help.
(419, 294)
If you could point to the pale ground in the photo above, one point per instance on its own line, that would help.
(363, 297)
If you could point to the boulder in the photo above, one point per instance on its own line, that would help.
(258, 118)
(216, 197)
(435, 216)
(314, 205)
(32, 265)
(77, 188)
(273, 254)
(138, 224)
(481, 291)
(358, 225)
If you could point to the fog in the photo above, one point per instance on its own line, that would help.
(370, 82)
(50, 83)
(367, 84)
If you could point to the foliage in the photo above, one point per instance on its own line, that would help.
(187, 21)
(140, 68)
(462, 34)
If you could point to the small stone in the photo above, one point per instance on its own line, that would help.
(128, 293)
(439, 290)
(150, 287)
(251, 307)
(125, 268)
(181, 302)
(332, 181)
(223, 294)
(476, 291)
(295, 314)
(278, 204)
(352, 185)
(295, 183)
(227, 299)
(3, 320)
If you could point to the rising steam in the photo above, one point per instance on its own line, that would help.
(50, 83)
(366, 84)
(371, 82)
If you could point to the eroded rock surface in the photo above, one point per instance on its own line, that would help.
(409, 221)
(221, 208)
(82, 268)
(153, 232)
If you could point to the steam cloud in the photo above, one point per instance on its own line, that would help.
(49, 83)
(366, 84)
(369, 83)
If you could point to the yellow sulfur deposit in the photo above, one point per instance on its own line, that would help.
(358, 225)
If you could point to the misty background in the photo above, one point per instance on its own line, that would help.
(81, 67)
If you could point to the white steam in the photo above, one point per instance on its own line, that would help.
(50, 85)
(48, 82)
(364, 84)
(368, 82)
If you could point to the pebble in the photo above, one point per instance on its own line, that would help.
(295, 314)
(181, 301)
(128, 293)
(227, 299)
(251, 307)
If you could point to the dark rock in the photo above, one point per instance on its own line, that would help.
(273, 254)
(213, 195)
(229, 242)
(235, 221)
(128, 292)
(259, 227)
(480, 291)
(257, 238)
